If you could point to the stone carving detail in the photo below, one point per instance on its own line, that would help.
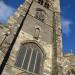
(36, 33)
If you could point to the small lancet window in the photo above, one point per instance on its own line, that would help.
(40, 2)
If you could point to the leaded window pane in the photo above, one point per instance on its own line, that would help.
(32, 63)
(20, 56)
(37, 67)
(25, 65)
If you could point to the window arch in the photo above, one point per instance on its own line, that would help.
(30, 58)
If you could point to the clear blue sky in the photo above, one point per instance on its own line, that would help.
(8, 7)
(68, 24)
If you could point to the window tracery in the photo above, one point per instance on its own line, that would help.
(29, 58)
(40, 14)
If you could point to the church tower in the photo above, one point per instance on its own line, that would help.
(38, 48)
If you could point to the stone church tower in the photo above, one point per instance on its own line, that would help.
(38, 48)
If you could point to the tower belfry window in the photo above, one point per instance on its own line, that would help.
(40, 2)
(30, 58)
(46, 5)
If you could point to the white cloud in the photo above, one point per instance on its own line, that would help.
(5, 12)
(66, 26)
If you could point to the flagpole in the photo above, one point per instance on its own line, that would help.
(2, 66)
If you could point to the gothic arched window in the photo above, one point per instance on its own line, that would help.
(40, 14)
(30, 58)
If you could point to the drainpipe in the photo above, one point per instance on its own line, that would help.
(13, 42)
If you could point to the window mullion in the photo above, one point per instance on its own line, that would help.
(30, 59)
(24, 58)
(35, 61)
